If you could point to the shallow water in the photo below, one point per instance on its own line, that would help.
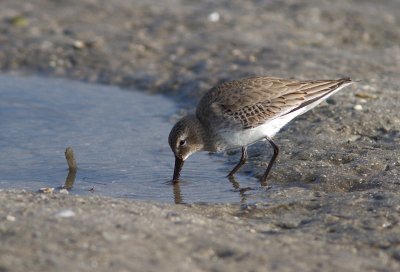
(119, 140)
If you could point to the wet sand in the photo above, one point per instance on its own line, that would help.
(339, 208)
(311, 232)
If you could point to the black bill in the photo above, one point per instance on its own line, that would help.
(178, 167)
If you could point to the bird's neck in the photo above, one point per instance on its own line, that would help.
(199, 133)
(205, 137)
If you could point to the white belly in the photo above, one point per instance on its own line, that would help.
(234, 139)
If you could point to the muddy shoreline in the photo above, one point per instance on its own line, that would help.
(339, 206)
(47, 231)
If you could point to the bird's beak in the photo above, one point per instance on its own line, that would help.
(178, 167)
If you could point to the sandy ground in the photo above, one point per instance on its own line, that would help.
(68, 233)
(340, 163)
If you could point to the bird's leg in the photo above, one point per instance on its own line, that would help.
(271, 162)
(242, 161)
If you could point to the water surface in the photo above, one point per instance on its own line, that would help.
(119, 139)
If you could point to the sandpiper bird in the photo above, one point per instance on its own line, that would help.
(241, 112)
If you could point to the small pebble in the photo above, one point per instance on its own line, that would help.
(330, 219)
(64, 191)
(358, 107)
(78, 44)
(18, 21)
(65, 214)
(10, 218)
(46, 190)
(214, 17)
(353, 138)
(366, 95)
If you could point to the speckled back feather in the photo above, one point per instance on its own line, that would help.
(250, 102)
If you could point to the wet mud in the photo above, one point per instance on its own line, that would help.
(339, 168)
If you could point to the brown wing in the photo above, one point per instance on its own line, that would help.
(250, 102)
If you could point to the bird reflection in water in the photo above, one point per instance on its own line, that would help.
(177, 193)
(179, 199)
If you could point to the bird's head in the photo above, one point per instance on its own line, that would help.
(185, 138)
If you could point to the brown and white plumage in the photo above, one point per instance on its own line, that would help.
(241, 112)
(250, 102)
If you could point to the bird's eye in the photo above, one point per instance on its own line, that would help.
(182, 142)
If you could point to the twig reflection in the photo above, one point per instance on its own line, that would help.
(179, 199)
(69, 181)
(72, 167)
